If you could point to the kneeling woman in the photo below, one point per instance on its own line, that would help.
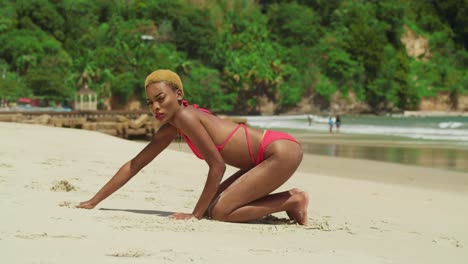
(266, 159)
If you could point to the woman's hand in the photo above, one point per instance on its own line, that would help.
(87, 205)
(182, 216)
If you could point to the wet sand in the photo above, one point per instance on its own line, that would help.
(446, 155)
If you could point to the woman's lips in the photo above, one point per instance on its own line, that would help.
(159, 116)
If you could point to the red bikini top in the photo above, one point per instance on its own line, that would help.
(218, 147)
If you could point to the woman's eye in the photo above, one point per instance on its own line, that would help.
(149, 103)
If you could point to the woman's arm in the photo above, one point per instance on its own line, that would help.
(160, 141)
(193, 128)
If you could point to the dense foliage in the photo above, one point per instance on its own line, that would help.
(231, 54)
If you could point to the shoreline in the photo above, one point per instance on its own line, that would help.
(443, 155)
(376, 140)
(370, 170)
(363, 145)
(435, 113)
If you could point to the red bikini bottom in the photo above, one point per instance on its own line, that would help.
(269, 137)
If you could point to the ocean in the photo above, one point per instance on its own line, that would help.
(439, 142)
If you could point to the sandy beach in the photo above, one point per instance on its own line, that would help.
(360, 211)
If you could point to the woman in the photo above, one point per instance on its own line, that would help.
(265, 159)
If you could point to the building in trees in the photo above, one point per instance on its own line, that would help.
(86, 99)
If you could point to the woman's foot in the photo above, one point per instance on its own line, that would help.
(301, 202)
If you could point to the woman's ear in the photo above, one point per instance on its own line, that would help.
(180, 94)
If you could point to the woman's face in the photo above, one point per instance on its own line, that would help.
(163, 101)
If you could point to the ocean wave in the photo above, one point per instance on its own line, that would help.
(450, 124)
(439, 131)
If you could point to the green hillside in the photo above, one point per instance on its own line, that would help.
(232, 53)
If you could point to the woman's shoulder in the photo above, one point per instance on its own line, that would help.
(188, 118)
(186, 114)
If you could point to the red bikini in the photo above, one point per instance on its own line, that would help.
(268, 137)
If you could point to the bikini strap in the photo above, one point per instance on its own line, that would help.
(249, 146)
(191, 145)
(186, 103)
(220, 147)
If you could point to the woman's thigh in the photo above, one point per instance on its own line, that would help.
(283, 158)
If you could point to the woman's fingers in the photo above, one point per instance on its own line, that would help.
(85, 205)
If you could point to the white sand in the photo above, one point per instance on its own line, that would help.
(361, 211)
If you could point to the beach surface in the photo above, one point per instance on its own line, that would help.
(360, 211)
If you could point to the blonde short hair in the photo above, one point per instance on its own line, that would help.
(164, 76)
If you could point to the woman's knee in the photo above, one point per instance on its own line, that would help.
(216, 211)
(219, 213)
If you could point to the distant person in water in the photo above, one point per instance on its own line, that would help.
(338, 123)
(330, 124)
(265, 159)
(309, 118)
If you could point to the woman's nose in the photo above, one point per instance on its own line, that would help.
(155, 107)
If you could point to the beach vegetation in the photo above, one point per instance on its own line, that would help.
(235, 55)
